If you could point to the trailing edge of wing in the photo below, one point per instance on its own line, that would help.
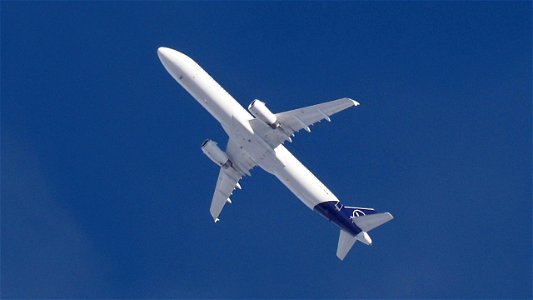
(227, 182)
(228, 178)
(301, 118)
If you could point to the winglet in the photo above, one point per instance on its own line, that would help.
(355, 103)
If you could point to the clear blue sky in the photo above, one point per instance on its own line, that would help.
(105, 192)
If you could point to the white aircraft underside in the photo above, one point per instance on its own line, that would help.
(258, 141)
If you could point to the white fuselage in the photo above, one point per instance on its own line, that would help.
(236, 122)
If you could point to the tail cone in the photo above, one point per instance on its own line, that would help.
(364, 238)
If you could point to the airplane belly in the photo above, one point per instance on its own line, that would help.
(255, 147)
(299, 180)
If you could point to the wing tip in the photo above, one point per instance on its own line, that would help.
(354, 102)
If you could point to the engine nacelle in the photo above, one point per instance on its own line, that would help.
(211, 150)
(260, 111)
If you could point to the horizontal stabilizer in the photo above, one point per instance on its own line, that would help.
(369, 222)
(346, 242)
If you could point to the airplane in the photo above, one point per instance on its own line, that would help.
(256, 138)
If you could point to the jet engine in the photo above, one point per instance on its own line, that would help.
(260, 111)
(211, 150)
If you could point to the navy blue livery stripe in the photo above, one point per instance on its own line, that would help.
(332, 210)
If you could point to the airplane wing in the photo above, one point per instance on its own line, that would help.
(295, 120)
(228, 178)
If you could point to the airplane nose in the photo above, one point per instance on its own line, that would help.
(171, 55)
(176, 63)
(164, 55)
(162, 51)
(171, 60)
